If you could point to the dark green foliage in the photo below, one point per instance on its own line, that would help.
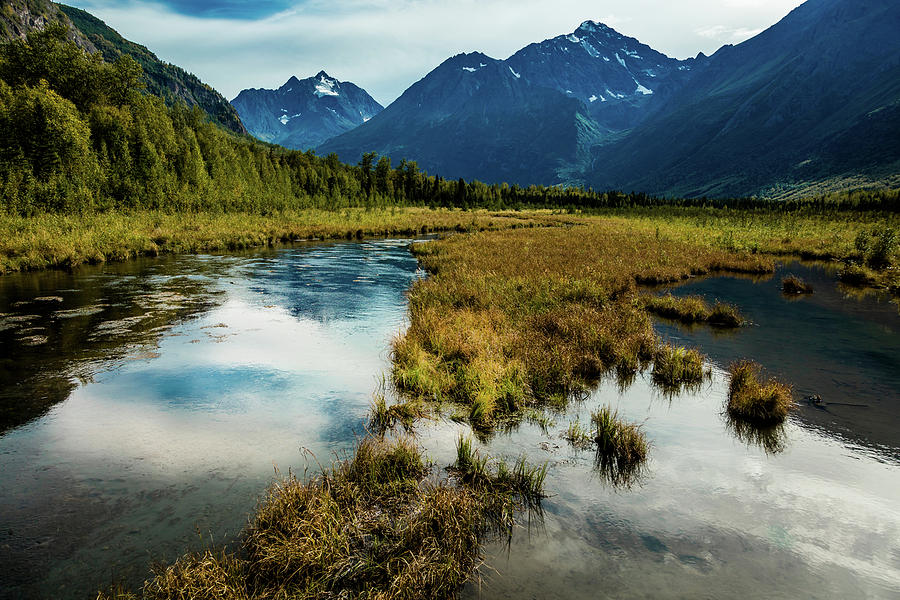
(167, 81)
(78, 135)
(877, 247)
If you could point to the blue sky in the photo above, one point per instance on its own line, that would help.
(386, 45)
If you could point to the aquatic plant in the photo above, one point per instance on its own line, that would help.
(384, 417)
(693, 309)
(522, 480)
(622, 447)
(791, 284)
(577, 435)
(677, 366)
(372, 526)
(754, 401)
(725, 315)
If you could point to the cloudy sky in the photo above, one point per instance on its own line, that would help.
(386, 45)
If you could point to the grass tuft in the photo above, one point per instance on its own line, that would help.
(372, 526)
(675, 367)
(694, 309)
(792, 284)
(752, 401)
(577, 435)
(383, 418)
(622, 448)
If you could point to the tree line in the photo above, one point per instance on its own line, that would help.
(78, 134)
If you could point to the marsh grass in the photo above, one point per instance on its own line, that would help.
(677, 367)
(384, 417)
(793, 285)
(524, 319)
(694, 309)
(501, 481)
(622, 448)
(578, 435)
(753, 401)
(58, 240)
(373, 526)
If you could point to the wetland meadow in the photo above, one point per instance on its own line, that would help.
(556, 400)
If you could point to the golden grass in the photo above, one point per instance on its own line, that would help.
(694, 309)
(521, 318)
(373, 526)
(753, 401)
(675, 367)
(54, 240)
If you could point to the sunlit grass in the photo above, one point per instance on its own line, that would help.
(57, 240)
(694, 309)
(754, 401)
(676, 366)
(372, 526)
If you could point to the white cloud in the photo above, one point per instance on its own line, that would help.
(384, 46)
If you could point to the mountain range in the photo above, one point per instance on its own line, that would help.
(809, 105)
(303, 113)
(812, 100)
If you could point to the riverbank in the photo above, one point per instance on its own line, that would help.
(60, 240)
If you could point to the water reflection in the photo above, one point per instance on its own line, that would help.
(187, 382)
(772, 438)
(844, 350)
(713, 516)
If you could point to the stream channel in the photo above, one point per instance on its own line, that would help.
(145, 406)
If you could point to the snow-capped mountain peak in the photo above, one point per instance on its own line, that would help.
(304, 113)
(326, 86)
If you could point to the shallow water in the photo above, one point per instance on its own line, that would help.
(831, 343)
(145, 412)
(199, 376)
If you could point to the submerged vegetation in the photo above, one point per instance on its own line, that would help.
(373, 526)
(753, 401)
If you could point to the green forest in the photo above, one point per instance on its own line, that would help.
(82, 135)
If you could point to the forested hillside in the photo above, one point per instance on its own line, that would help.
(77, 135)
(170, 82)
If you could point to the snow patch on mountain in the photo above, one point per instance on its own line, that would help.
(589, 49)
(516, 75)
(642, 90)
(325, 87)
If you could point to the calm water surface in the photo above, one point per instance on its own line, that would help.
(168, 392)
(145, 411)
